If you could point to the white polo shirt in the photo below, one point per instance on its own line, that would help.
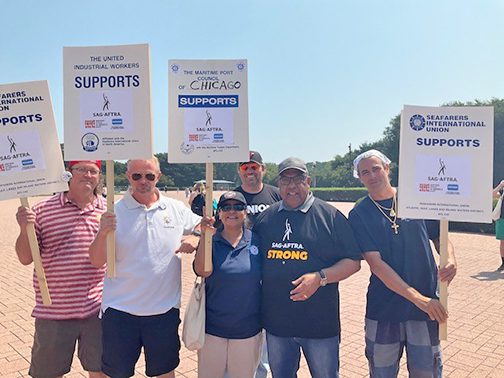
(148, 278)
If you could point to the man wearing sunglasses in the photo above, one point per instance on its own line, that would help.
(141, 304)
(66, 224)
(308, 248)
(259, 196)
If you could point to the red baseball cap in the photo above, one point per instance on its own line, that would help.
(73, 162)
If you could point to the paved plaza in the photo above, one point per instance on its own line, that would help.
(475, 346)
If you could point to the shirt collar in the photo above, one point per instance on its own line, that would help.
(245, 239)
(131, 203)
(304, 207)
(98, 201)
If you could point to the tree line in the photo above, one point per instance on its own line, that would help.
(333, 173)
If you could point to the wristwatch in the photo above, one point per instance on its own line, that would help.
(196, 233)
(323, 277)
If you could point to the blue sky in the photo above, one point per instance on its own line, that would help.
(322, 74)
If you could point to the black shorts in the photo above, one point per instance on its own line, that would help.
(124, 335)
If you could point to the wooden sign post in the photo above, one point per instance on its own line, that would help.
(105, 120)
(111, 272)
(209, 213)
(32, 164)
(443, 286)
(37, 260)
(445, 171)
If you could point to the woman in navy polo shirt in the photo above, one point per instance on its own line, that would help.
(233, 288)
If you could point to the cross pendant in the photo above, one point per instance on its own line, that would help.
(395, 227)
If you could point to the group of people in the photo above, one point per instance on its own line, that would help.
(278, 255)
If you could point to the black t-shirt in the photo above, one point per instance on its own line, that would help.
(258, 202)
(408, 253)
(294, 243)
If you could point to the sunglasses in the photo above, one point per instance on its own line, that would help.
(237, 207)
(138, 176)
(254, 167)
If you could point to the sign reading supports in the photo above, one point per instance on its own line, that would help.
(445, 163)
(208, 111)
(107, 102)
(30, 156)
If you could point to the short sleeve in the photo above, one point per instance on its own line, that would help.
(345, 235)
(364, 239)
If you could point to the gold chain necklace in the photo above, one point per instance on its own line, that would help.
(392, 217)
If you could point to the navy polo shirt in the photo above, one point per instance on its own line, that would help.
(233, 290)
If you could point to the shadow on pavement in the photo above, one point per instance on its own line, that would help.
(489, 276)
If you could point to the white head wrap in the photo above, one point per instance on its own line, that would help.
(367, 155)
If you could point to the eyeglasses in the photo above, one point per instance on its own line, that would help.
(297, 180)
(237, 207)
(84, 170)
(138, 176)
(253, 166)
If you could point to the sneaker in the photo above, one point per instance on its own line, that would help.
(500, 268)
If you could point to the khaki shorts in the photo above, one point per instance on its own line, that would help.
(54, 346)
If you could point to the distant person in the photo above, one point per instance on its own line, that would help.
(197, 198)
(141, 303)
(187, 192)
(259, 197)
(402, 309)
(499, 224)
(307, 247)
(104, 191)
(65, 225)
(233, 294)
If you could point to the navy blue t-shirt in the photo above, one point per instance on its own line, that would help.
(294, 243)
(233, 290)
(408, 253)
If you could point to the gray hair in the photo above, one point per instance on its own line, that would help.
(153, 159)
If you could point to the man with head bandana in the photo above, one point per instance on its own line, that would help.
(65, 225)
(403, 310)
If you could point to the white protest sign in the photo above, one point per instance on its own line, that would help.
(30, 156)
(445, 163)
(107, 102)
(208, 111)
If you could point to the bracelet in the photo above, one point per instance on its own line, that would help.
(196, 233)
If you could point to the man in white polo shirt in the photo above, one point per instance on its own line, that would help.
(141, 304)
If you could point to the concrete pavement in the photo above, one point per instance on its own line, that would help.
(475, 346)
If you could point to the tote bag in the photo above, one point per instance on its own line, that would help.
(496, 214)
(193, 330)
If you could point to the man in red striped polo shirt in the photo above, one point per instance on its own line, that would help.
(65, 225)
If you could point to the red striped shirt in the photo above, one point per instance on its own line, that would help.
(64, 233)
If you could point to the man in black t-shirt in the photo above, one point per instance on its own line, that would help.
(403, 310)
(308, 247)
(259, 196)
